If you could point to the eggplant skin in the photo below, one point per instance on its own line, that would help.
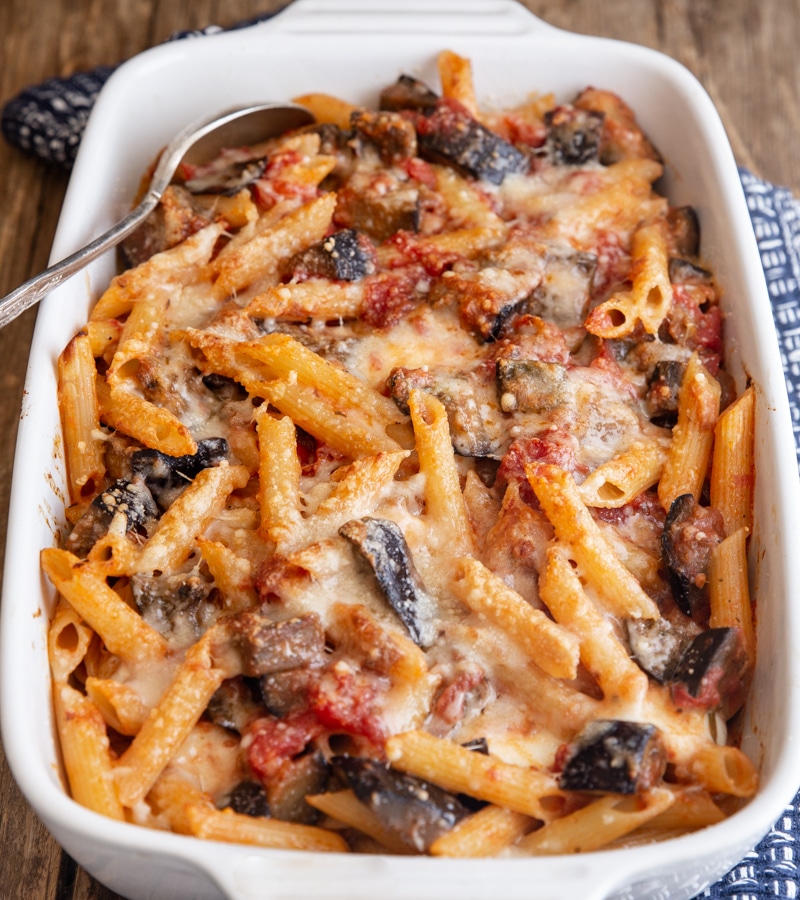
(130, 498)
(684, 226)
(381, 544)
(690, 534)
(408, 93)
(574, 135)
(248, 798)
(166, 476)
(615, 757)
(663, 391)
(712, 673)
(268, 648)
(415, 810)
(657, 644)
(451, 136)
(342, 256)
(173, 601)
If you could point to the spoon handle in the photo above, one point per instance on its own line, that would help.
(33, 290)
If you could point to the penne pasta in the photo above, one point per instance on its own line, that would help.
(445, 502)
(455, 73)
(687, 462)
(326, 108)
(596, 824)
(553, 648)
(224, 825)
(516, 788)
(621, 479)
(278, 477)
(86, 752)
(650, 297)
(154, 426)
(239, 266)
(80, 420)
(601, 651)
(729, 590)
(574, 526)
(732, 474)
(484, 833)
(123, 631)
(68, 641)
(168, 723)
(371, 539)
(178, 528)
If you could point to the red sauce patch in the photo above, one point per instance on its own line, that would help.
(276, 740)
(344, 701)
(555, 448)
(389, 296)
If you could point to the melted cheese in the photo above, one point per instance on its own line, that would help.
(492, 328)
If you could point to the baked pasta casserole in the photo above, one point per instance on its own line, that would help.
(409, 495)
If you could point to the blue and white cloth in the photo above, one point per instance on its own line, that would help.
(48, 120)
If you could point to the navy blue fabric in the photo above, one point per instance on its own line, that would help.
(771, 869)
(48, 120)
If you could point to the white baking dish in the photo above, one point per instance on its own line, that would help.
(353, 48)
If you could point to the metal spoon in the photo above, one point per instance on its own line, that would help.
(198, 142)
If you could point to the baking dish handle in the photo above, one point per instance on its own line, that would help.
(291, 876)
(446, 17)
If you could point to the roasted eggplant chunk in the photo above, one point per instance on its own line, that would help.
(381, 543)
(176, 217)
(408, 93)
(663, 390)
(415, 810)
(681, 271)
(622, 136)
(529, 385)
(286, 692)
(402, 381)
(224, 388)
(614, 757)
(392, 135)
(488, 299)
(166, 476)
(377, 212)
(234, 704)
(657, 644)
(294, 781)
(711, 674)
(690, 534)
(267, 647)
(573, 135)
(468, 432)
(684, 227)
(451, 136)
(173, 603)
(566, 288)
(129, 498)
(343, 256)
(249, 799)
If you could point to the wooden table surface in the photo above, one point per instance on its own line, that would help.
(743, 51)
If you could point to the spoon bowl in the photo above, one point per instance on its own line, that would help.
(198, 142)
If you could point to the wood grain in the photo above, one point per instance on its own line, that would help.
(743, 51)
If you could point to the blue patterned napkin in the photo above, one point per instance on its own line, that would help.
(48, 119)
